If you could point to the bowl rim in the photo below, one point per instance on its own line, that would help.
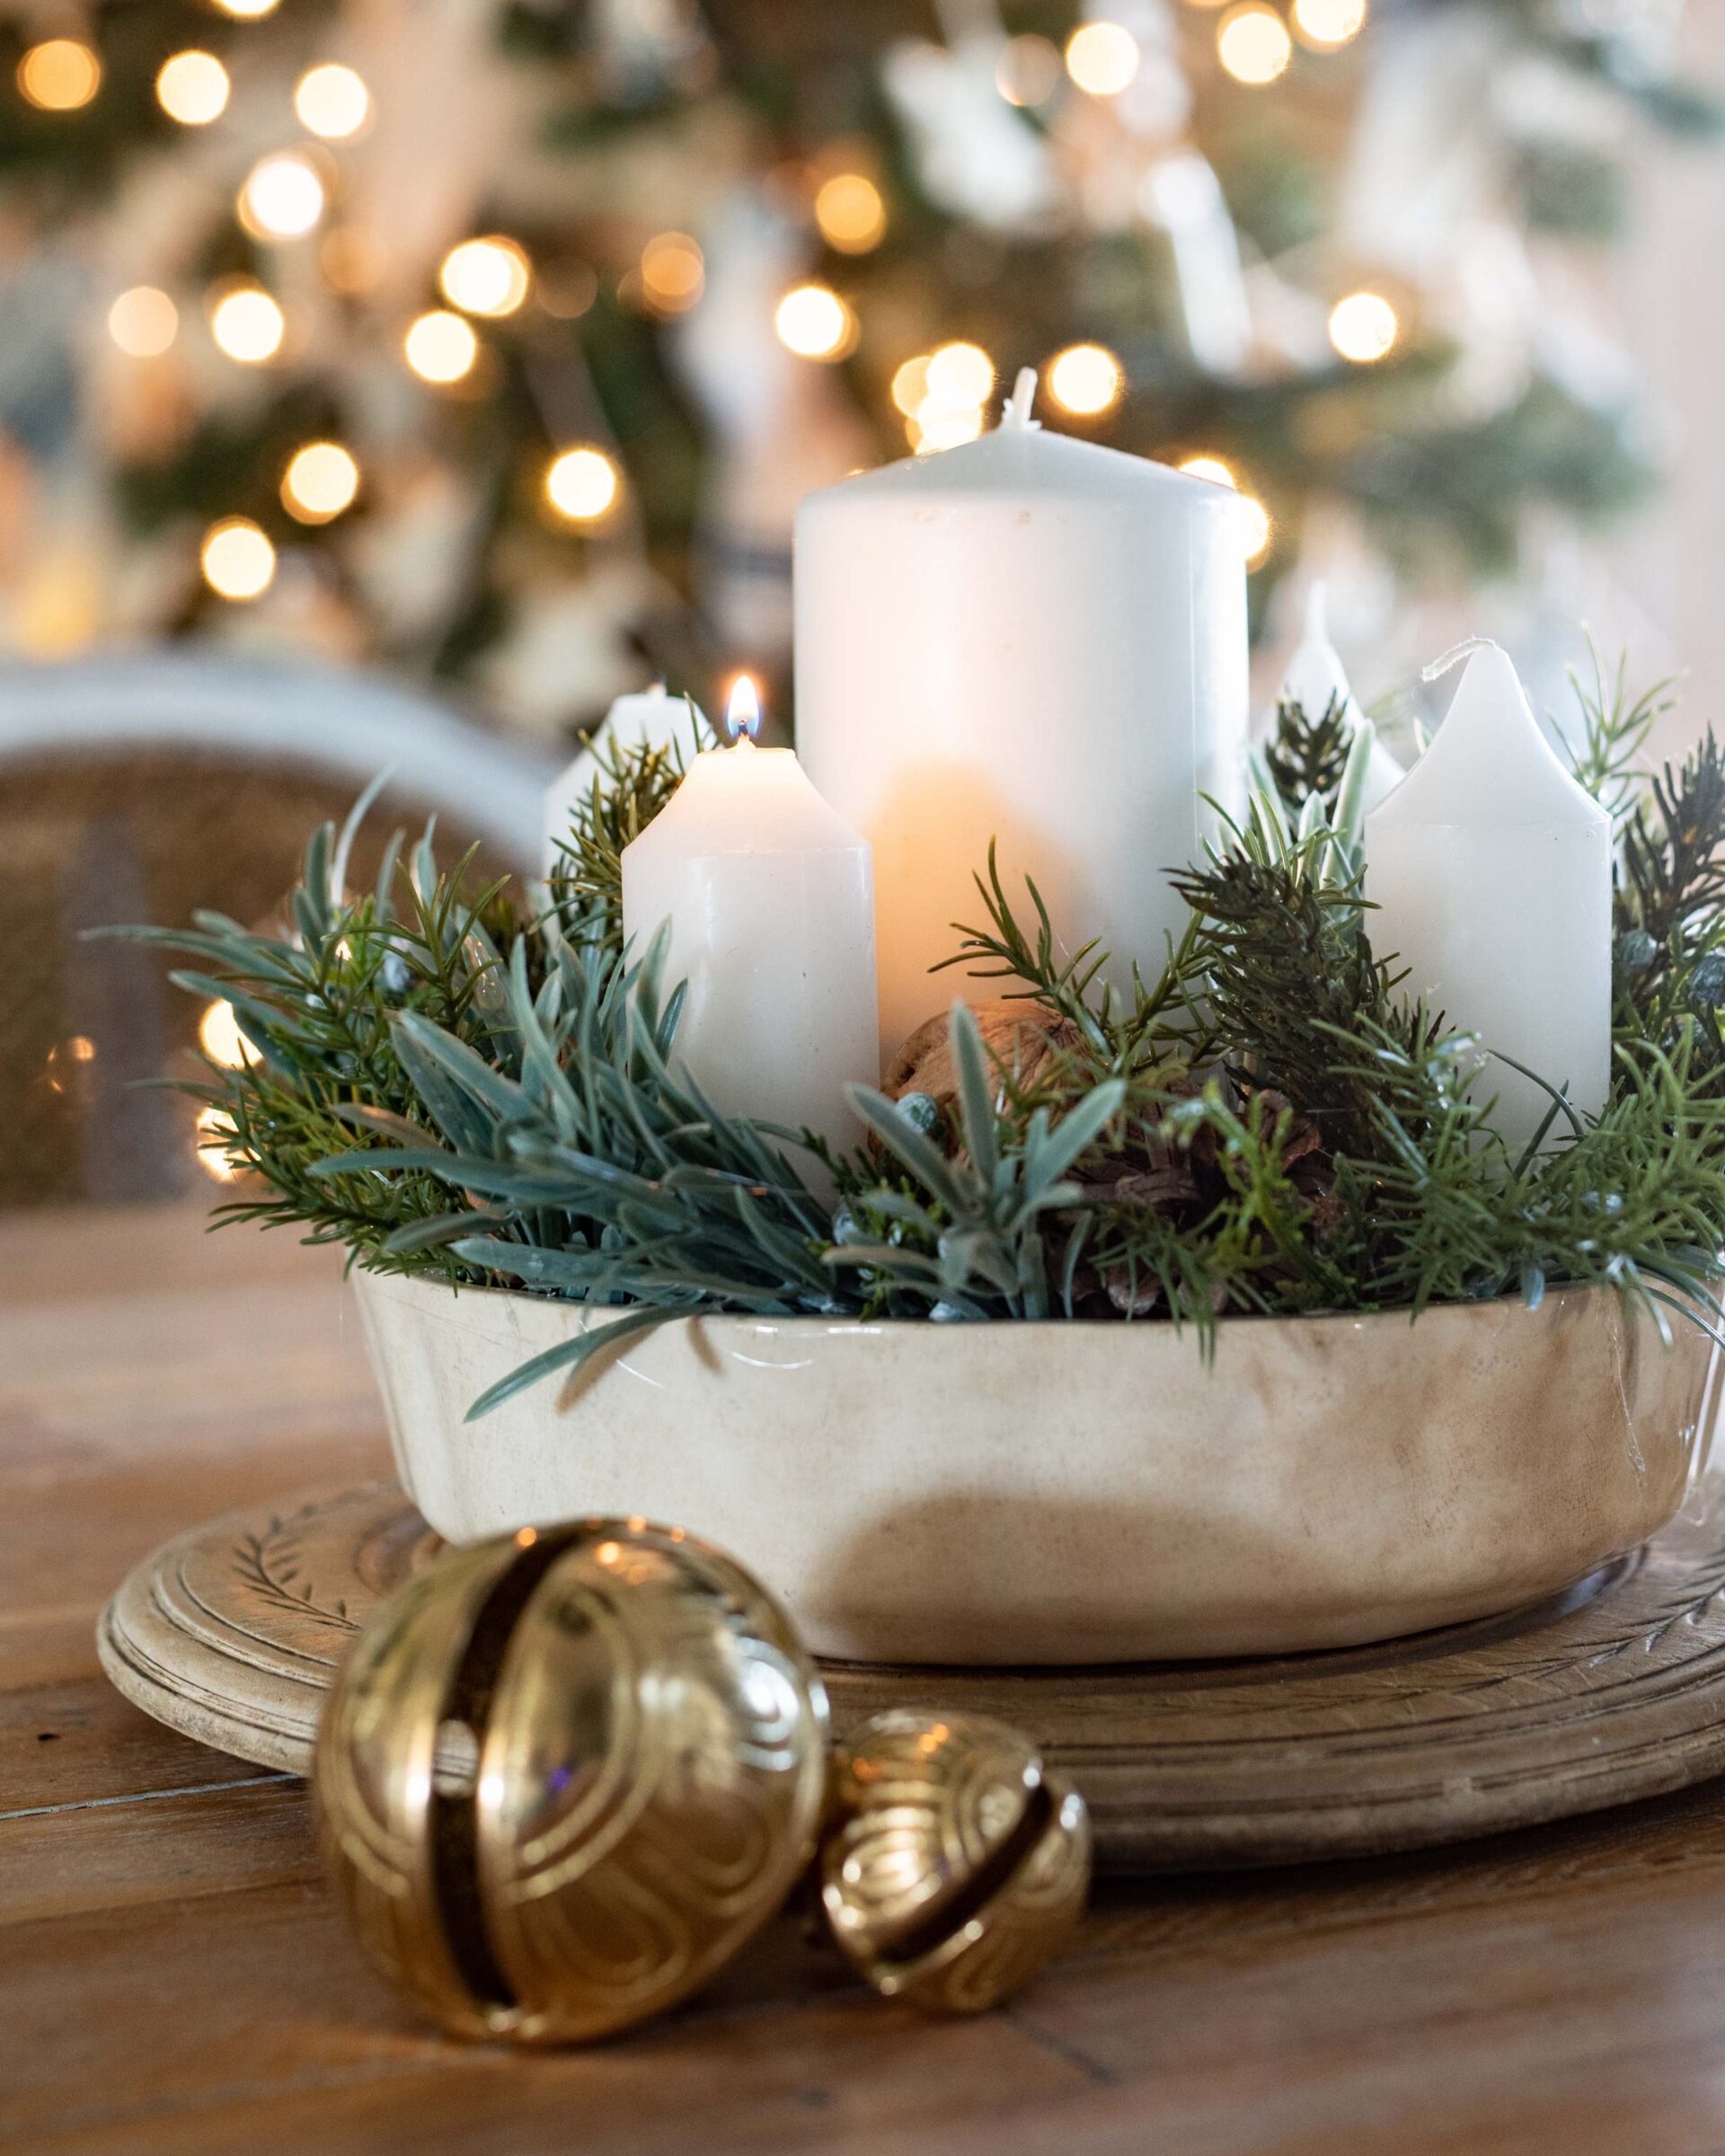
(1576, 1297)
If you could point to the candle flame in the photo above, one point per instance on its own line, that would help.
(743, 710)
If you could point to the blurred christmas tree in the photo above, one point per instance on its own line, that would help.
(499, 342)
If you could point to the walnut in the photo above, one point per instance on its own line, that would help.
(1024, 1036)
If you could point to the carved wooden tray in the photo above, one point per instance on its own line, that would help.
(1614, 1690)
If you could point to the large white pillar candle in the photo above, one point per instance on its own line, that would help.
(647, 719)
(1490, 869)
(1315, 678)
(1031, 638)
(771, 904)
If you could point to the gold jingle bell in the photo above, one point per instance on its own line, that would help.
(564, 1776)
(954, 1865)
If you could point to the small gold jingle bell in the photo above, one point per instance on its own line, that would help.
(954, 1865)
(564, 1776)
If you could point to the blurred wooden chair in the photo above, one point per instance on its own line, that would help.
(137, 787)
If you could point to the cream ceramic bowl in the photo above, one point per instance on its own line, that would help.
(1071, 1493)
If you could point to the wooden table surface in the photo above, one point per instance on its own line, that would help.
(173, 1977)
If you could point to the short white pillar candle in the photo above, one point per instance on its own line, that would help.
(1491, 868)
(770, 898)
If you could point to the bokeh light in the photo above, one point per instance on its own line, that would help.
(1325, 24)
(1086, 379)
(320, 481)
(959, 375)
(237, 558)
(910, 384)
(192, 87)
(673, 270)
(247, 324)
(215, 1131)
(582, 484)
(813, 321)
(849, 213)
(143, 322)
(1211, 468)
(1258, 529)
(1028, 70)
(1252, 43)
(282, 198)
(332, 100)
(488, 277)
(247, 11)
(1103, 57)
(1363, 327)
(221, 1039)
(943, 427)
(59, 75)
(440, 347)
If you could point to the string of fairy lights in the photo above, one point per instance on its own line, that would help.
(291, 195)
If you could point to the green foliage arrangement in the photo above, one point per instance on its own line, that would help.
(449, 1085)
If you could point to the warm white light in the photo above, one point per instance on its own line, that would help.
(582, 484)
(1028, 70)
(247, 11)
(320, 481)
(1085, 379)
(1103, 57)
(959, 375)
(1327, 23)
(944, 427)
(248, 325)
(221, 1039)
(238, 559)
(282, 198)
(1254, 518)
(910, 385)
(143, 322)
(1363, 327)
(813, 321)
(486, 277)
(192, 88)
(332, 100)
(1252, 43)
(673, 269)
(215, 1132)
(59, 75)
(440, 347)
(849, 213)
(743, 708)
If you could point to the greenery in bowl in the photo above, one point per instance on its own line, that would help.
(452, 1083)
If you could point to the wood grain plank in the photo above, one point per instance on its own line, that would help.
(258, 2027)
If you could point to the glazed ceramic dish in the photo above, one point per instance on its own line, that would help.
(1074, 1493)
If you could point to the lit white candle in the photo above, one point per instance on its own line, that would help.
(1491, 872)
(1031, 639)
(647, 719)
(1315, 678)
(771, 903)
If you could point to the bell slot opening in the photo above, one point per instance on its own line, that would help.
(454, 1805)
(952, 1911)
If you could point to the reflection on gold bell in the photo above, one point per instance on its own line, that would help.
(562, 1776)
(954, 1864)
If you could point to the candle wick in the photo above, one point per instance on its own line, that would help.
(1015, 414)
